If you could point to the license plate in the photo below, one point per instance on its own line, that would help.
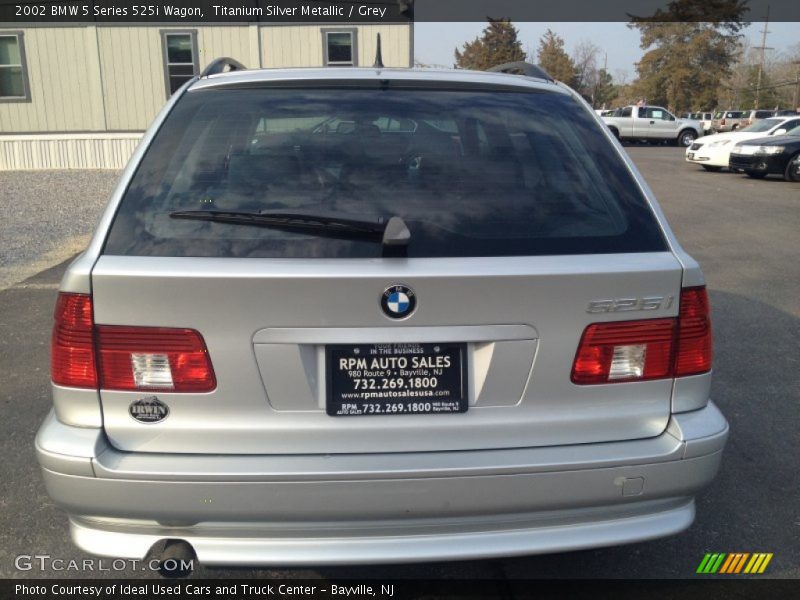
(396, 379)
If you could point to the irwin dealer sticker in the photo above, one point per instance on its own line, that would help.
(148, 410)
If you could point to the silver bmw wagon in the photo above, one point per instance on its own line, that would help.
(373, 315)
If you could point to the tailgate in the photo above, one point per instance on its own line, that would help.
(268, 323)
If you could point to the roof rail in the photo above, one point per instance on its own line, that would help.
(219, 65)
(522, 68)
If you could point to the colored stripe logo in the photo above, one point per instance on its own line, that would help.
(734, 563)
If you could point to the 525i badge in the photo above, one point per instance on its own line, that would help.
(630, 304)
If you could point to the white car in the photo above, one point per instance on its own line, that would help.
(712, 152)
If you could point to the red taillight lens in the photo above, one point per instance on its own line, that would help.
(722, 122)
(125, 358)
(623, 351)
(72, 360)
(695, 348)
(153, 358)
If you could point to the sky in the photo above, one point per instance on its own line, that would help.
(434, 43)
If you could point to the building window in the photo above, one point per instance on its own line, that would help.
(180, 58)
(339, 48)
(13, 70)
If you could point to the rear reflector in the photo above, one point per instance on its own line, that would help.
(125, 358)
(72, 359)
(623, 351)
(153, 358)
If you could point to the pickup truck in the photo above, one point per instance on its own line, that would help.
(652, 123)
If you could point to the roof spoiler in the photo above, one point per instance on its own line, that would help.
(522, 68)
(222, 65)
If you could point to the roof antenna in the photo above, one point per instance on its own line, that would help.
(378, 56)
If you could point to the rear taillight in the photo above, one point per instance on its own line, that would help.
(695, 348)
(153, 358)
(621, 351)
(625, 351)
(722, 122)
(72, 359)
(125, 358)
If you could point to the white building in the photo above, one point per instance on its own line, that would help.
(80, 95)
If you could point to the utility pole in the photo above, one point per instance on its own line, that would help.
(796, 85)
(763, 47)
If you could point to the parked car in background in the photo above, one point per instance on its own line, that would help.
(727, 120)
(785, 112)
(704, 117)
(751, 116)
(713, 151)
(652, 123)
(778, 155)
(293, 344)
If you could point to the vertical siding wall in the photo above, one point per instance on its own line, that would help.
(67, 151)
(301, 45)
(65, 89)
(111, 79)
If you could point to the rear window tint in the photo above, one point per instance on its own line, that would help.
(472, 173)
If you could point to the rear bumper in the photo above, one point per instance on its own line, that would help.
(345, 509)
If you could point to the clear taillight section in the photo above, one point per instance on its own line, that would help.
(623, 351)
(125, 358)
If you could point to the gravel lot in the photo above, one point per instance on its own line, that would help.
(48, 216)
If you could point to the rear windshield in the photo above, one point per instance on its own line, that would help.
(472, 173)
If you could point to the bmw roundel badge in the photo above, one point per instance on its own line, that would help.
(398, 301)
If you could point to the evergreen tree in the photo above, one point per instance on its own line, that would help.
(690, 49)
(497, 45)
(769, 96)
(604, 91)
(554, 59)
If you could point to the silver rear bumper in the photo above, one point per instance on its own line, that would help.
(400, 507)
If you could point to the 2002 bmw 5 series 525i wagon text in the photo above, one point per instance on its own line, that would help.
(377, 315)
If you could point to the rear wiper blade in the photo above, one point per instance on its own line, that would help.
(389, 232)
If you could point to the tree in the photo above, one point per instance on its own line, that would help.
(586, 72)
(604, 90)
(554, 59)
(497, 45)
(595, 84)
(690, 49)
